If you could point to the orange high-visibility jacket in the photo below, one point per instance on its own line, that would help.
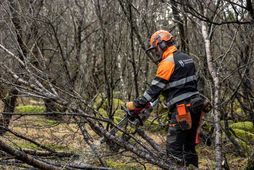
(175, 79)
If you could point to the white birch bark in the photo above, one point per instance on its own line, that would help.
(122, 84)
(213, 71)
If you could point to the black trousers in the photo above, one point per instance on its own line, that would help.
(181, 143)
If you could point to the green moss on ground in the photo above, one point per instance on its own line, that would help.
(246, 126)
(103, 103)
(30, 109)
(26, 145)
(248, 136)
(45, 122)
(122, 165)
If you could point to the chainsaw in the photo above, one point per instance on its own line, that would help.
(135, 118)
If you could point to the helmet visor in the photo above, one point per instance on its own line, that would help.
(149, 47)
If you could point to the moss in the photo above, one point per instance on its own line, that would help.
(248, 136)
(103, 112)
(235, 162)
(119, 113)
(247, 148)
(118, 94)
(30, 109)
(245, 138)
(57, 147)
(98, 101)
(117, 103)
(151, 125)
(122, 165)
(103, 102)
(27, 145)
(45, 122)
(117, 119)
(246, 126)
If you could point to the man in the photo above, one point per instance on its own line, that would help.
(175, 79)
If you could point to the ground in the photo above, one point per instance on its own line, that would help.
(66, 137)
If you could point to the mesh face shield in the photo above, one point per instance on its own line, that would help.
(158, 43)
(153, 53)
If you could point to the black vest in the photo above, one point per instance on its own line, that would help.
(183, 82)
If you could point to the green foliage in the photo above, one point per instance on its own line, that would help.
(246, 126)
(30, 109)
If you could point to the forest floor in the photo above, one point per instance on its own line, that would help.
(64, 136)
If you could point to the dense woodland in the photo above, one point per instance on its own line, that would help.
(67, 66)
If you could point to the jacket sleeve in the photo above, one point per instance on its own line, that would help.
(163, 74)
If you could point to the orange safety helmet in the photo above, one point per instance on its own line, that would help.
(161, 38)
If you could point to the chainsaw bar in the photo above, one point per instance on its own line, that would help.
(125, 120)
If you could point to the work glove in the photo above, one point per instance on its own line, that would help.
(138, 104)
(130, 106)
(134, 111)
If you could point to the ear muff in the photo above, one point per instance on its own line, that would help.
(163, 45)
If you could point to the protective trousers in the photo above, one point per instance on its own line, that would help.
(181, 143)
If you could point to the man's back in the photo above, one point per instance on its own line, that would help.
(183, 82)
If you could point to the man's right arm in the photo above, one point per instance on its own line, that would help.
(163, 74)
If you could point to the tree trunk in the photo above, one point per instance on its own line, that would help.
(214, 73)
(180, 25)
(51, 108)
(26, 158)
(9, 107)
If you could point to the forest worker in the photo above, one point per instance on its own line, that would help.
(176, 80)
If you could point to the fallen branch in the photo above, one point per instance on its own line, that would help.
(49, 154)
(147, 155)
(26, 158)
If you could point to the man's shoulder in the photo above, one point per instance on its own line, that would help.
(181, 54)
(169, 58)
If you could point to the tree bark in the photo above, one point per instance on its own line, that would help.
(179, 22)
(133, 61)
(26, 158)
(214, 73)
(9, 107)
